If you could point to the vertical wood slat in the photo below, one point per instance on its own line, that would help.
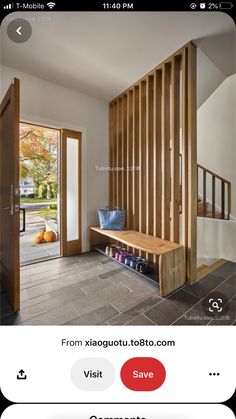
(213, 196)
(124, 154)
(136, 158)
(184, 109)
(129, 190)
(166, 152)
(222, 199)
(111, 148)
(204, 193)
(229, 200)
(149, 157)
(175, 135)
(142, 157)
(157, 158)
(119, 153)
(114, 160)
(192, 165)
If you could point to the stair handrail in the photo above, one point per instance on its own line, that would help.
(223, 182)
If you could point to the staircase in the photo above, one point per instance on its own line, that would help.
(207, 204)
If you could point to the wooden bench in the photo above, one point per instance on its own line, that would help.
(169, 255)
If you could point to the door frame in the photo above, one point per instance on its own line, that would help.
(66, 248)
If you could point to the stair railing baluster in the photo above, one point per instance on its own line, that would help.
(222, 199)
(204, 193)
(213, 196)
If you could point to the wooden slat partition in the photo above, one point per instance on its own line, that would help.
(151, 123)
(166, 151)
(175, 135)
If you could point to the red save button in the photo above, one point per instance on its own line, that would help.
(143, 374)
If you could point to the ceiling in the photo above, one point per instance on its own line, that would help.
(102, 54)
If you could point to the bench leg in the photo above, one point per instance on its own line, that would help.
(171, 271)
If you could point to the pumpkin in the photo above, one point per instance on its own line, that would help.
(49, 236)
(39, 237)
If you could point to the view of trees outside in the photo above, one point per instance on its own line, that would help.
(38, 160)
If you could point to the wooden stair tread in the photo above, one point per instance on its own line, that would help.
(202, 272)
(200, 268)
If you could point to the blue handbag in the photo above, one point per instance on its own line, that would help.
(112, 218)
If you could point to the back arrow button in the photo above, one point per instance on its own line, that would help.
(18, 30)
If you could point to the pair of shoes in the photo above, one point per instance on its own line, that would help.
(133, 262)
(146, 268)
(139, 263)
(128, 259)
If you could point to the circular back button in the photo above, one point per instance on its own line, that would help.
(143, 374)
(19, 30)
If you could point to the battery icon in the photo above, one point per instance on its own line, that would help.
(226, 5)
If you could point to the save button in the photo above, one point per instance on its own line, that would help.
(143, 374)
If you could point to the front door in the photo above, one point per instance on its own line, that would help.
(9, 196)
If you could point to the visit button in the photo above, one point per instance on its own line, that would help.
(143, 374)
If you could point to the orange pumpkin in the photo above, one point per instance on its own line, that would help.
(49, 236)
(39, 237)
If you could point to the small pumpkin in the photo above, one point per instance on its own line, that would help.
(49, 236)
(39, 237)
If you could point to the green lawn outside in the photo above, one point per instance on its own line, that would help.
(35, 200)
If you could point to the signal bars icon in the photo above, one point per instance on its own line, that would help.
(8, 6)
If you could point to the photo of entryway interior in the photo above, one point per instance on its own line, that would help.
(156, 139)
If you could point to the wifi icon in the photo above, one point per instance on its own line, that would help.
(51, 5)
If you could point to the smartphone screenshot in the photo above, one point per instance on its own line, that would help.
(117, 210)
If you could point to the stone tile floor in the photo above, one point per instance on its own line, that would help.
(29, 251)
(91, 289)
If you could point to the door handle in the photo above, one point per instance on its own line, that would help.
(6, 208)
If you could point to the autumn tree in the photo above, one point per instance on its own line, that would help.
(38, 158)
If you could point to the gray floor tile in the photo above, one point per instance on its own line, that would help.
(59, 316)
(203, 287)
(171, 308)
(143, 305)
(195, 317)
(140, 321)
(120, 319)
(95, 317)
(225, 270)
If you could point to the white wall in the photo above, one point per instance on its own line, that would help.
(216, 239)
(217, 134)
(50, 104)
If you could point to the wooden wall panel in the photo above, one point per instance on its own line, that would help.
(119, 153)
(142, 156)
(157, 157)
(184, 190)
(124, 154)
(113, 199)
(175, 149)
(129, 151)
(136, 164)
(150, 125)
(166, 151)
(192, 165)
